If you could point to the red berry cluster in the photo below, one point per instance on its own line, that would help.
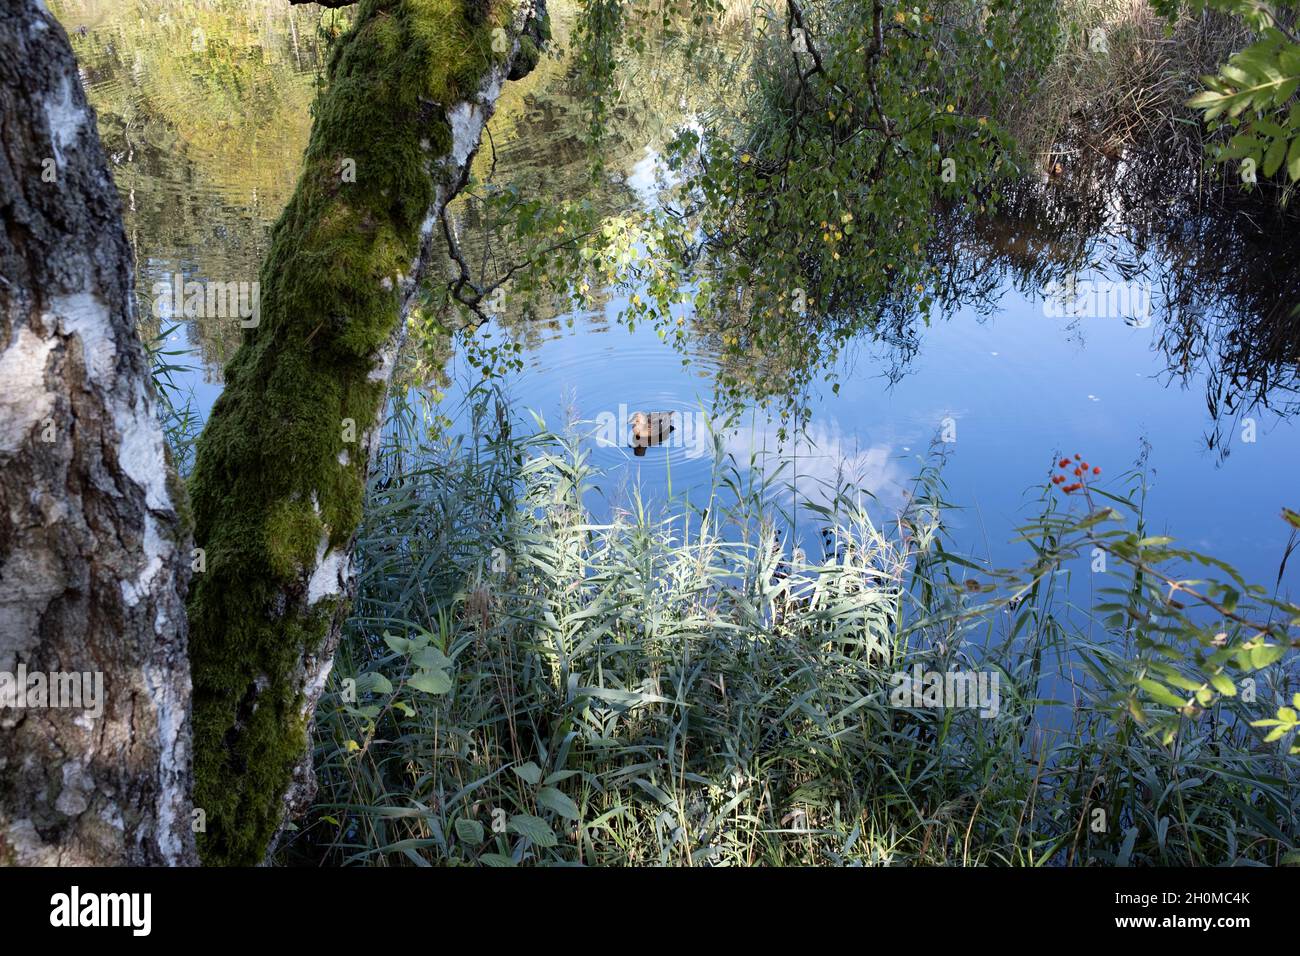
(1073, 466)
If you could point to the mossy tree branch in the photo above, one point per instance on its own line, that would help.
(281, 467)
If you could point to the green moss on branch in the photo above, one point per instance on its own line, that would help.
(279, 474)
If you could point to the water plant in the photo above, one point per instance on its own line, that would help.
(684, 684)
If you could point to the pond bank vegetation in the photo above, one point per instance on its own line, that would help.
(523, 684)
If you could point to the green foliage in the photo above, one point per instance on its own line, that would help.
(1252, 97)
(599, 38)
(1255, 92)
(179, 420)
(1286, 723)
(681, 687)
(1192, 640)
(804, 215)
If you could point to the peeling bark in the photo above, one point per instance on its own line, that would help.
(93, 553)
(281, 467)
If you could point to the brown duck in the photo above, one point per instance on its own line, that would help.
(650, 428)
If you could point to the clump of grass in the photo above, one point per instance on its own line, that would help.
(180, 421)
(524, 685)
(1118, 85)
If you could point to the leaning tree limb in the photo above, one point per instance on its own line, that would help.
(94, 556)
(281, 467)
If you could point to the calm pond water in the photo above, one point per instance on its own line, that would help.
(205, 144)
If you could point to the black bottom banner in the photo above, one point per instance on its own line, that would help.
(333, 907)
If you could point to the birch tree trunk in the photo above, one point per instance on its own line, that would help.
(94, 560)
(281, 467)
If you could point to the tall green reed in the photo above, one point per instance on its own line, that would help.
(523, 684)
